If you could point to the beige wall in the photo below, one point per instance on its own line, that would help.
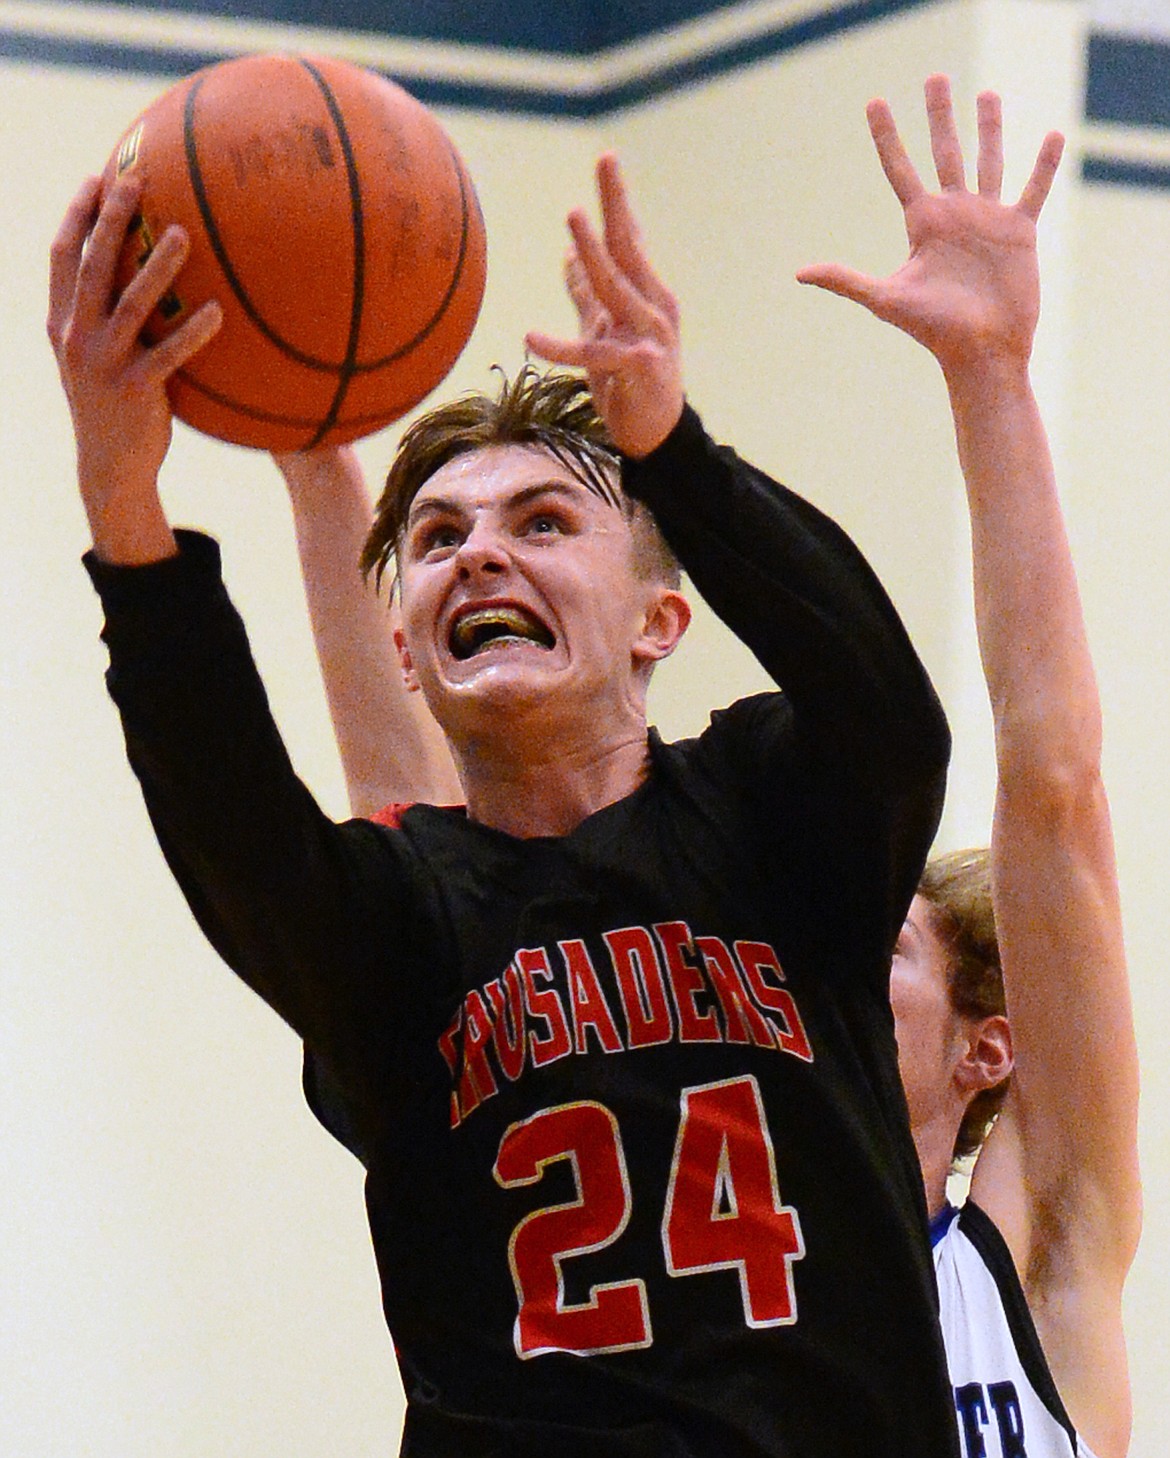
(1118, 502)
(185, 1267)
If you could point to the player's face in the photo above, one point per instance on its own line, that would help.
(931, 1035)
(519, 590)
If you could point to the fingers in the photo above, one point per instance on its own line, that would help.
(95, 276)
(615, 291)
(613, 287)
(623, 237)
(89, 327)
(944, 136)
(142, 294)
(591, 316)
(989, 110)
(948, 152)
(592, 319)
(1039, 185)
(628, 344)
(900, 172)
(555, 349)
(176, 349)
(65, 255)
(847, 283)
(598, 357)
(604, 360)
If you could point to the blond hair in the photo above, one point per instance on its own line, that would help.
(957, 888)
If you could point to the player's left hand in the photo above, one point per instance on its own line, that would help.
(629, 344)
(970, 289)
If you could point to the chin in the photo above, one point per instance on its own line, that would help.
(495, 687)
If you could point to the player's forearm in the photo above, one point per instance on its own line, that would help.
(222, 795)
(1029, 620)
(1056, 900)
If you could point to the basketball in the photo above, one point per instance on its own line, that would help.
(333, 219)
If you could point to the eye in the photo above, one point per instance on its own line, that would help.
(435, 539)
(546, 521)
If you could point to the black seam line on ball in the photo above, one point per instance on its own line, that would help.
(456, 277)
(350, 366)
(217, 246)
(357, 216)
(195, 173)
(374, 418)
(249, 412)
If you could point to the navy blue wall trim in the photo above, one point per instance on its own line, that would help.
(1127, 85)
(92, 55)
(1122, 172)
(656, 80)
(1128, 81)
(561, 28)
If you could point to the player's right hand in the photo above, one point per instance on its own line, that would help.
(114, 382)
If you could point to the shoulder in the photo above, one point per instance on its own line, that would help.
(757, 724)
(735, 748)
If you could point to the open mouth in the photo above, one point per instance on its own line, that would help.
(482, 629)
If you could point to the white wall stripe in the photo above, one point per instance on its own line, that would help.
(1142, 19)
(1133, 144)
(465, 64)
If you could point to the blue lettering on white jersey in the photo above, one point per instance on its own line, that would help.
(1006, 1401)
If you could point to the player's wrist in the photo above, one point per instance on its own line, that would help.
(129, 528)
(990, 370)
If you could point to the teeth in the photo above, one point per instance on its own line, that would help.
(475, 629)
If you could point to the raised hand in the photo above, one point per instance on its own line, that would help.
(629, 341)
(970, 289)
(116, 384)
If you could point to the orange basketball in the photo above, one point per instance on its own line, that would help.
(337, 226)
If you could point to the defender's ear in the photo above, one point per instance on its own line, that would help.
(988, 1059)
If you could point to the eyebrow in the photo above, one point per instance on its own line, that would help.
(424, 506)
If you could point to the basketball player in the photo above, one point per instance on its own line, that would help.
(1042, 1247)
(613, 1042)
(1031, 1269)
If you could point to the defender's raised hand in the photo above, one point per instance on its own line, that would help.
(629, 340)
(969, 290)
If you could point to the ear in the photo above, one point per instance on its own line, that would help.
(404, 658)
(988, 1059)
(667, 618)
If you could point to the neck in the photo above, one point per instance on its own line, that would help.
(935, 1143)
(551, 792)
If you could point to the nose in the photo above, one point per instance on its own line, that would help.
(482, 551)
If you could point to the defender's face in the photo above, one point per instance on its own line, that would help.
(518, 587)
(929, 1031)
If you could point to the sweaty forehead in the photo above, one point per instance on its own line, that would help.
(497, 475)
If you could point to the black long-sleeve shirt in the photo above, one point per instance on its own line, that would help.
(640, 1179)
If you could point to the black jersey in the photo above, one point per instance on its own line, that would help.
(639, 1172)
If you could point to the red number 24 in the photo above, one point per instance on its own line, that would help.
(722, 1212)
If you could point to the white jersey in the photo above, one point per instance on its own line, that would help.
(1005, 1399)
